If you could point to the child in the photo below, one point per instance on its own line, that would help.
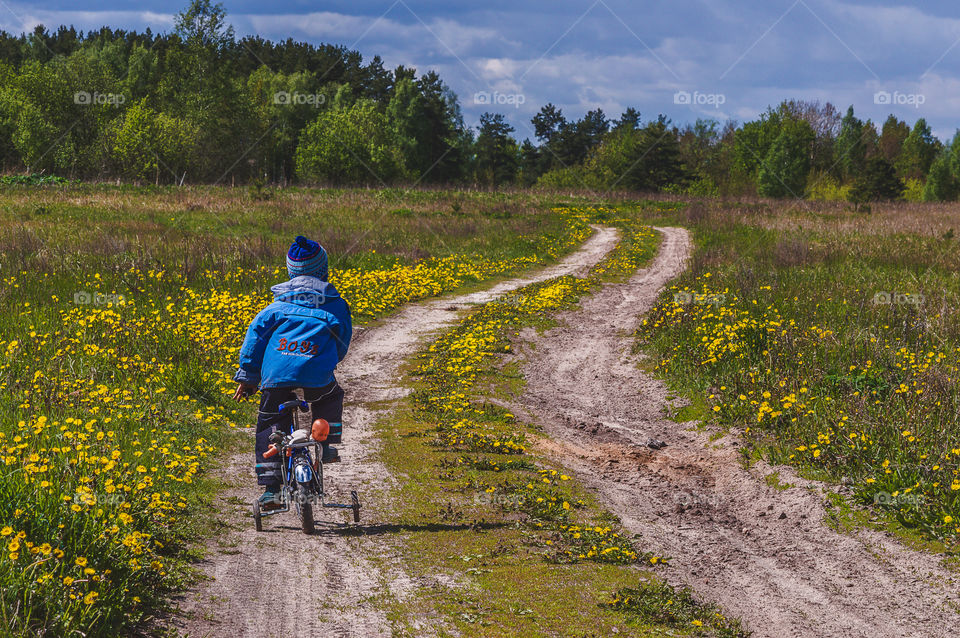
(296, 342)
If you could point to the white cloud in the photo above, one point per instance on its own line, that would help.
(600, 63)
(441, 37)
(20, 19)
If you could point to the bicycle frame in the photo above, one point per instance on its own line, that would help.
(302, 475)
(292, 482)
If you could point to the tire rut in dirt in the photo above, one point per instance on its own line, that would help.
(283, 583)
(766, 555)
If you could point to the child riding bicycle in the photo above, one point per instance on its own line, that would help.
(295, 342)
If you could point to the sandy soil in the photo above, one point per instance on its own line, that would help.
(766, 555)
(283, 583)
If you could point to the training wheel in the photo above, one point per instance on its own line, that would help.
(257, 518)
(355, 505)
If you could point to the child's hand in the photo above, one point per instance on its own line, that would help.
(243, 391)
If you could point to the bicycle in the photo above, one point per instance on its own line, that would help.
(302, 473)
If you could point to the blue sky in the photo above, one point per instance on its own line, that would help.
(718, 58)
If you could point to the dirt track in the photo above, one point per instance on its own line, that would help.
(341, 577)
(765, 555)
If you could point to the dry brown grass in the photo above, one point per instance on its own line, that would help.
(149, 227)
(885, 218)
(933, 219)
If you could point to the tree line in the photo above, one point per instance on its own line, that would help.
(200, 105)
(798, 149)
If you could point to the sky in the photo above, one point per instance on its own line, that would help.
(687, 59)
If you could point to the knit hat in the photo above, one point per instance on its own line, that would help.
(306, 257)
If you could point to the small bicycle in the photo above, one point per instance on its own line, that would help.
(302, 472)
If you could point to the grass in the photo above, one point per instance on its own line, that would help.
(126, 307)
(652, 601)
(98, 227)
(114, 407)
(773, 480)
(520, 544)
(831, 341)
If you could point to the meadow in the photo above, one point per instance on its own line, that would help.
(831, 340)
(124, 311)
(483, 502)
(828, 338)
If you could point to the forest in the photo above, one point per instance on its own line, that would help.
(200, 105)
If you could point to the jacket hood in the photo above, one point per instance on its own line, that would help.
(305, 291)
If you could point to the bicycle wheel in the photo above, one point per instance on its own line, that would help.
(355, 504)
(257, 518)
(305, 505)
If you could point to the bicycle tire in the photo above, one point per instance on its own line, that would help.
(355, 505)
(257, 517)
(306, 509)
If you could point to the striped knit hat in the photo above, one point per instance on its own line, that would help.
(306, 257)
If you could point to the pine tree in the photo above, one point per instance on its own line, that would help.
(941, 184)
(892, 136)
(850, 150)
(784, 170)
(920, 148)
(879, 182)
(497, 154)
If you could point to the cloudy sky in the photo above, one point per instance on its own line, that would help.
(725, 59)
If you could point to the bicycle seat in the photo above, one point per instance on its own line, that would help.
(294, 403)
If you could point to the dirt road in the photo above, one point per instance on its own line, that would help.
(283, 583)
(765, 554)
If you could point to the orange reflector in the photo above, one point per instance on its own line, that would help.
(320, 430)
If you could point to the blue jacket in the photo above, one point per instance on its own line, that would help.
(299, 339)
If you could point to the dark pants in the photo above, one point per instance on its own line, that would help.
(326, 403)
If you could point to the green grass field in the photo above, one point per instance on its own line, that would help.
(483, 505)
(124, 311)
(831, 339)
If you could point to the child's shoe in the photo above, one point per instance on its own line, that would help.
(270, 499)
(330, 454)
